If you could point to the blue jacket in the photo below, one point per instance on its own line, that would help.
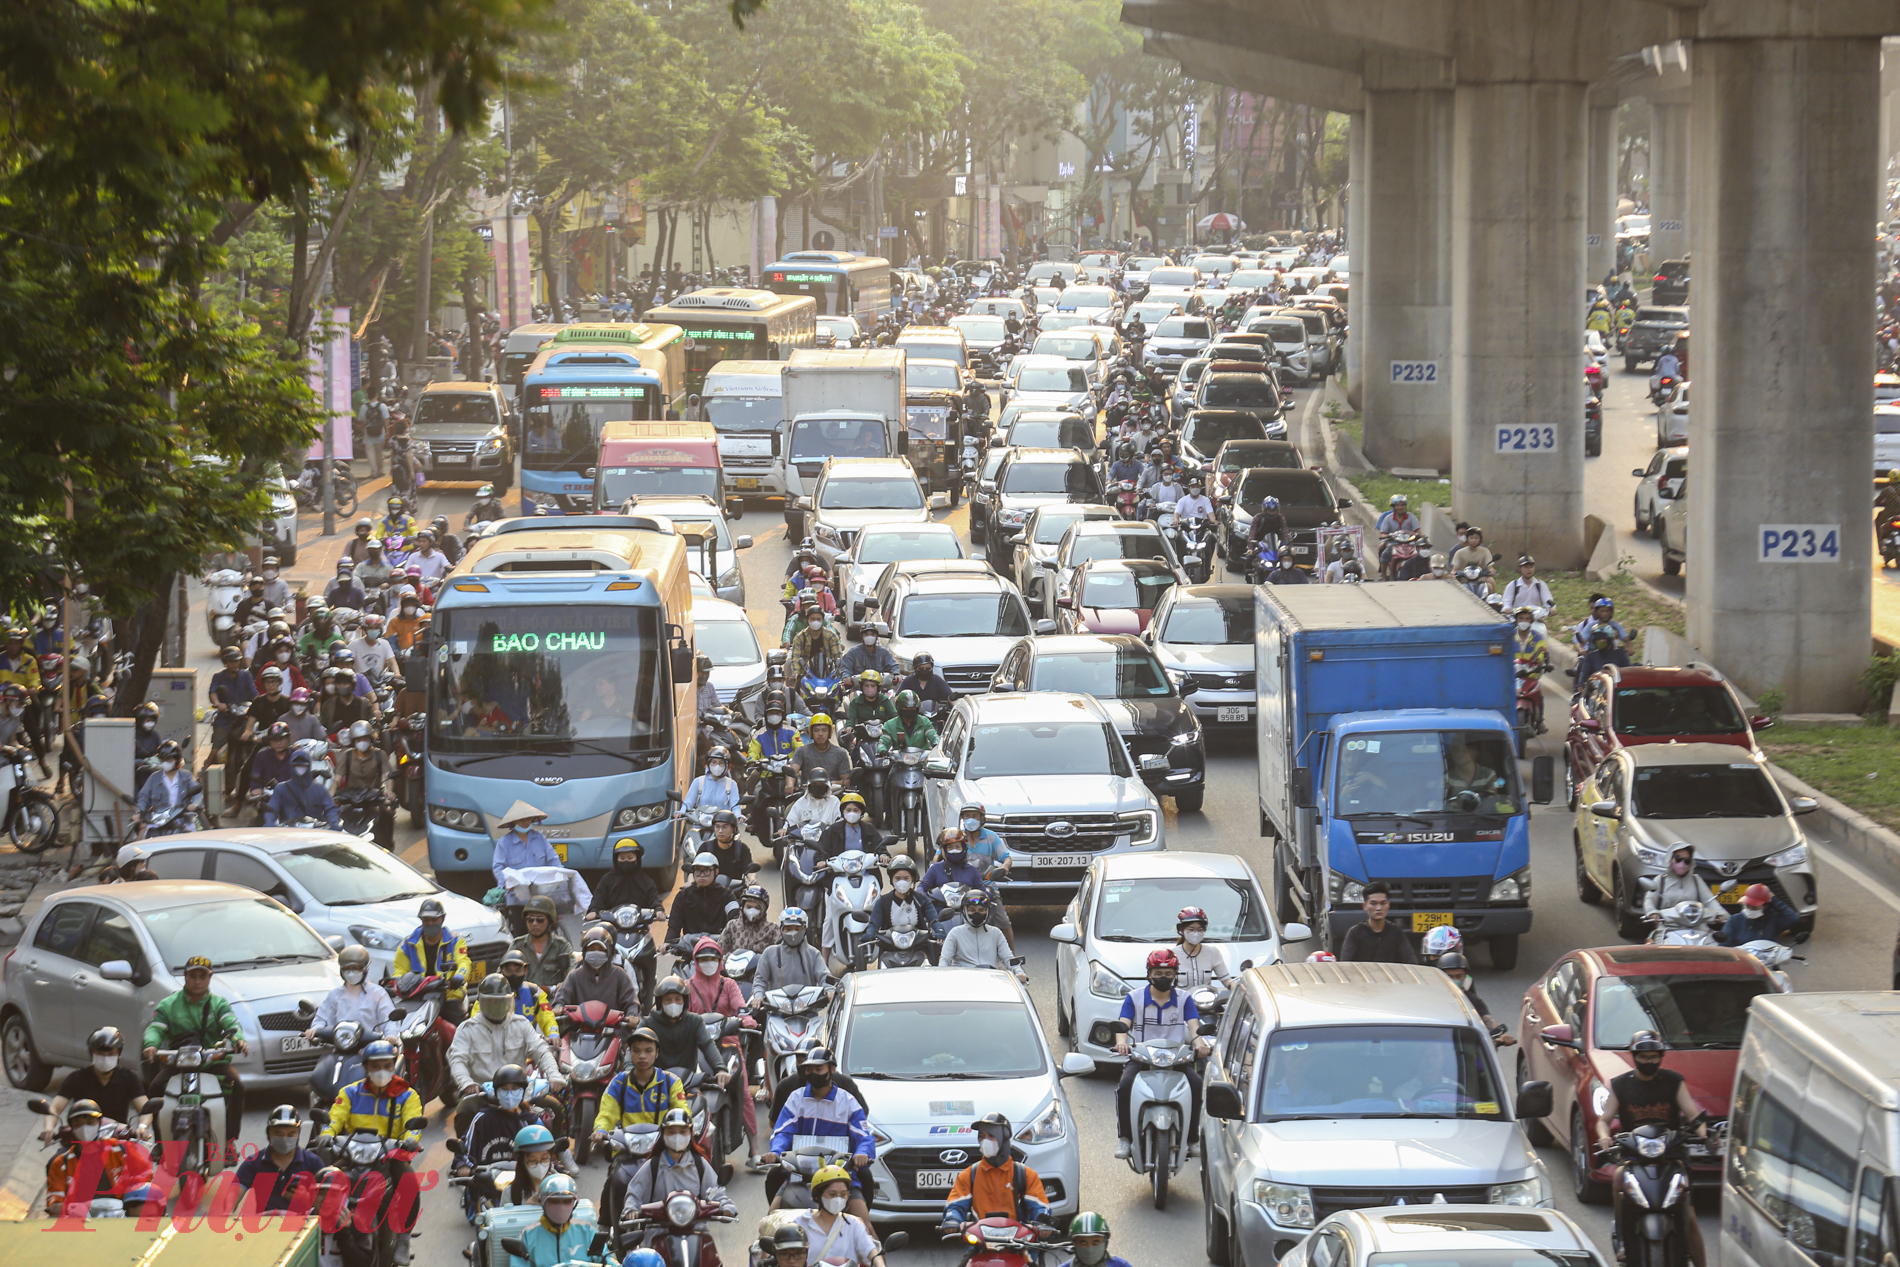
(1739, 930)
(966, 873)
(516, 850)
(836, 1118)
(547, 1245)
(301, 797)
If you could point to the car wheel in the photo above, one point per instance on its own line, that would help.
(1587, 891)
(25, 1069)
(1570, 780)
(1629, 924)
(1655, 527)
(1535, 1127)
(1671, 566)
(1214, 1235)
(1637, 510)
(1587, 1190)
(1190, 802)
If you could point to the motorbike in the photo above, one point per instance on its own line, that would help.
(1405, 558)
(426, 1037)
(343, 1063)
(769, 799)
(1594, 379)
(788, 1184)
(124, 1175)
(224, 591)
(360, 1167)
(1684, 924)
(1890, 541)
(1472, 577)
(1664, 390)
(1653, 1227)
(31, 819)
(626, 1147)
(804, 874)
(1530, 706)
(309, 486)
(905, 947)
(907, 798)
(407, 777)
(359, 808)
(1772, 955)
(592, 1042)
(1003, 1242)
(793, 1019)
(633, 945)
(819, 692)
(1127, 499)
(191, 1112)
(1160, 1106)
(854, 891)
(676, 1228)
(870, 768)
(725, 1127)
(1196, 544)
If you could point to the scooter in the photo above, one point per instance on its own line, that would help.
(627, 1147)
(122, 1178)
(1127, 499)
(1472, 577)
(359, 808)
(1684, 924)
(225, 590)
(1530, 706)
(907, 797)
(1653, 1229)
(1160, 1106)
(1663, 391)
(1773, 955)
(788, 1183)
(343, 1063)
(426, 1038)
(1890, 541)
(792, 1026)
(190, 1111)
(1197, 550)
(854, 891)
(769, 800)
(870, 768)
(804, 872)
(677, 1229)
(30, 817)
(1404, 560)
(905, 947)
(1003, 1242)
(591, 1046)
(633, 945)
(360, 1168)
(725, 1128)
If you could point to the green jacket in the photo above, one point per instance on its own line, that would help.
(861, 710)
(920, 735)
(178, 1020)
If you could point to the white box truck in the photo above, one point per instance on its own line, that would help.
(838, 402)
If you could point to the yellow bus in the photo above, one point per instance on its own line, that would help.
(724, 323)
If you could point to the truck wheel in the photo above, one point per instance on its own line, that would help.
(1190, 802)
(1503, 952)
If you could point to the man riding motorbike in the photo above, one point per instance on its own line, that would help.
(195, 1016)
(427, 952)
(996, 1185)
(300, 797)
(498, 1036)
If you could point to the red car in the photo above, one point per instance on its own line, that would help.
(1575, 1029)
(1113, 596)
(1620, 708)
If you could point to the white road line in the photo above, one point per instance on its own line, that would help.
(1877, 887)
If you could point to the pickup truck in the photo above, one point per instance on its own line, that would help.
(1653, 334)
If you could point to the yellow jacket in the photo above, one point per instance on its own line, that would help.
(450, 957)
(360, 1107)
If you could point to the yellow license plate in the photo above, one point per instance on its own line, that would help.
(1423, 921)
(560, 849)
(745, 482)
(1732, 895)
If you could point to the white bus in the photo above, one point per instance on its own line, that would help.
(845, 285)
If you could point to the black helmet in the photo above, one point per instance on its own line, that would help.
(790, 1236)
(669, 985)
(902, 862)
(170, 751)
(1647, 1040)
(147, 711)
(105, 1038)
(510, 1076)
(431, 909)
(994, 1124)
(816, 1056)
(514, 958)
(283, 1115)
(726, 816)
(1452, 960)
(278, 730)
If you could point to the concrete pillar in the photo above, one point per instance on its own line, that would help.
(1517, 301)
(1402, 290)
(1600, 193)
(1669, 201)
(1355, 233)
(1781, 431)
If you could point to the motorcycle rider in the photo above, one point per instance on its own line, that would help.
(427, 953)
(1473, 553)
(1158, 1013)
(1679, 883)
(302, 724)
(716, 788)
(407, 624)
(364, 767)
(816, 649)
(536, 1156)
(374, 571)
(870, 657)
(820, 757)
(675, 1166)
(925, 682)
(434, 563)
(451, 544)
(826, 1115)
(975, 943)
(730, 854)
(300, 797)
(271, 763)
(870, 703)
(1650, 1093)
(558, 1237)
(906, 906)
(345, 590)
(1125, 467)
(749, 929)
(170, 785)
(550, 955)
(194, 1015)
(519, 846)
(486, 508)
(1197, 963)
(598, 979)
(1268, 521)
(112, 1088)
(1526, 589)
(1454, 965)
(1397, 518)
(499, 1036)
(709, 990)
(397, 520)
(641, 1094)
(996, 1185)
(853, 830)
(1763, 917)
(358, 999)
(341, 707)
(110, 1166)
(707, 702)
(986, 853)
(700, 906)
(358, 548)
(1088, 1237)
(818, 805)
(1602, 616)
(1194, 504)
(500, 1120)
(372, 650)
(1602, 653)
(531, 1000)
(911, 728)
(287, 1171)
(792, 962)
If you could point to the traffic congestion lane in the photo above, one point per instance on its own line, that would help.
(1609, 491)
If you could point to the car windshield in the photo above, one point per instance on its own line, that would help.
(1059, 433)
(1240, 391)
(1134, 544)
(1070, 347)
(1237, 457)
(1677, 710)
(981, 329)
(1283, 333)
(352, 875)
(927, 422)
(984, 615)
(932, 1040)
(1401, 773)
(1145, 263)
(1184, 328)
(1687, 1011)
(730, 643)
(1171, 277)
(455, 409)
(1052, 378)
(1220, 622)
(1304, 491)
(1145, 910)
(1519, 1257)
(1119, 588)
(1072, 479)
(953, 352)
(1037, 749)
(1379, 1071)
(1118, 672)
(1052, 522)
(617, 483)
(1207, 432)
(888, 546)
(932, 375)
(238, 934)
(871, 494)
(1191, 372)
(1738, 789)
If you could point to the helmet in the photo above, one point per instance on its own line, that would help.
(1452, 961)
(271, 673)
(106, 1038)
(278, 730)
(359, 730)
(851, 798)
(1271, 503)
(1525, 611)
(1397, 499)
(1163, 958)
(1443, 940)
(791, 1236)
(495, 990)
(756, 893)
(1603, 602)
(643, 1034)
(1088, 1223)
(1322, 956)
(902, 862)
(976, 900)
(510, 1076)
(83, 1108)
(813, 571)
(793, 917)
(705, 860)
(15, 692)
(816, 1056)
(352, 957)
(557, 1185)
(1757, 895)
(871, 677)
(825, 1175)
(820, 719)
(394, 503)
(364, 527)
(148, 711)
(514, 958)
(628, 845)
(994, 1123)
(924, 661)
(1525, 560)
(907, 702)
(676, 1117)
(381, 1049)
(1647, 1040)
(283, 1115)
(728, 817)
(485, 493)
(669, 985)
(170, 751)
(1189, 915)
(703, 662)
(431, 909)
(719, 752)
(542, 904)
(300, 696)
(533, 1138)
(342, 657)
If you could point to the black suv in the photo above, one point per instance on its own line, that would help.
(1653, 334)
(1671, 285)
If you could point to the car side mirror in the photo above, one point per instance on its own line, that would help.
(1067, 934)
(116, 970)
(1533, 1100)
(735, 506)
(1075, 1064)
(1559, 1036)
(1046, 627)
(1543, 780)
(883, 630)
(1296, 931)
(1187, 688)
(1761, 722)
(1800, 805)
(335, 942)
(1302, 788)
(742, 543)
(1606, 809)
(1223, 1100)
(1065, 600)
(1638, 473)
(938, 768)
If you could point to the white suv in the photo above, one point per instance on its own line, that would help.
(853, 492)
(1176, 340)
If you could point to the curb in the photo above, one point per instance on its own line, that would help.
(1874, 848)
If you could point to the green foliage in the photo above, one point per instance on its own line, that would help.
(1876, 682)
(1855, 764)
(1772, 700)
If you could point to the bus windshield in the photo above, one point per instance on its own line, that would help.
(551, 680)
(617, 483)
(564, 421)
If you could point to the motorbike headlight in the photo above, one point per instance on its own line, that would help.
(1523, 1192)
(1288, 1204)
(374, 938)
(1045, 1128)
(365, 1152)
(681, 1209)
(1599, 1098)
(582, 1071)
(1104, 984)
(1143, 826)
(1515, 887)
(1788, 857)
(1651, 1147)
(424, 1020)
(1346, 890)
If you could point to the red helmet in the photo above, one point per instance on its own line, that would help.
(813, 571)
(1757, 895)
(1322, 956)
(1162, 959)
(1189, 915)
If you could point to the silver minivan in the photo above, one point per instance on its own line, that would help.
(1340, 1086)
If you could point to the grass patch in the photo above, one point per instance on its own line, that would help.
(1856, 765)
(1355, 427)
(1637, 605)
(1377, 487)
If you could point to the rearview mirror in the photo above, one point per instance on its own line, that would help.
(1066, 934)
(1046, 627)
(1223, 1099)
(896, 1240)
(1559, 1036)
(40, 1106)
(742, 543)
(1605, 809)
(1077, 1065)
(335, 942)
(1761, 722)
(1800, 805)
(938, 768)
(121, 969)
(1302, 788)
(1543, 780)
(1533, 1100)
(1296, 931)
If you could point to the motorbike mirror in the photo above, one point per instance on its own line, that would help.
(516, 1246)
(1543, 780)
(416, 1123)
(455, 1146)
(562, 1144)
(1117, 1026)
(1648, 883)
(601, 1238)
(896, 1240)
(396, 1014)
(38, 1105)
(1534, 1100)
(306, 1008)
(752, 868)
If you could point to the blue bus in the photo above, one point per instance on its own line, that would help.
(559, 672)
(586, 376)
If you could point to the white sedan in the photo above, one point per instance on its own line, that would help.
(879, 544)
(1442, 1234)
(1672, 419)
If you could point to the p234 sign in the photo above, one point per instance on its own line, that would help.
(1799, 543)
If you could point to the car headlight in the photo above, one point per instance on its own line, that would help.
(492, 444)
(1012, 515)
(1650, 856)
(1045, 1128)
(1288, 1204)
(1515, 887)
(878, 1135)
(1346, 890)
(1523, 1192)
(1104, 984)
(827, 534)
(459, 819)
(1185, 737)
(1788, 857)
(374, 938)
(640, 815)
(1143, 826)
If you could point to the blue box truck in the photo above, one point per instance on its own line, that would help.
(1387, 753)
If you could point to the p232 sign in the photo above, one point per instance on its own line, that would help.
(1799, 543)
(1532, 439)
(1420, 373)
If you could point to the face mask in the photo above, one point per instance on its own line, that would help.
(283, 1145)
(382, 1077)
(678, 1143)
(595, 958)
(1161, 982)
(972, 824)
(716, 769)
(834, 1205)
(1754, 912)
(300, 771)
(510, 1098)
(353, 977)
(852, 815)
(753, 914)
(819, 791)
(1648, 1066)
(1680, 866)
(538, 1171)
(408, 609)
(989, 1147)
(976, 919)
(148, 725)
(171, 767)
(86, 1132)
(270, 574)
(773, 719)
(626, 865)
(283, 657)
(955, 857)
(558, 1212)
(330, 689)
(902, 886)
(870, 640)
(672, 1010)
(1193, 936)
(1091, 1255)
(299, 709)
(793, 937)
(106, 1063)
(1523, 626)
(707, 967)
(814, 624)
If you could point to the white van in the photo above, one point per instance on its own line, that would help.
(742, 401)
(1814, 1134)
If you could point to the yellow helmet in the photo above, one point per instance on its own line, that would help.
(821, 719)
(829, 1174)
(851, 798)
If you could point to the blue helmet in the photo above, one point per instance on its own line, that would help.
(535, 1136)
(1272, 503)
(557, 1185)
(643, 1258)
(381, 1049)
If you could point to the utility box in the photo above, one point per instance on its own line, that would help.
(175, 691)
(109, 746)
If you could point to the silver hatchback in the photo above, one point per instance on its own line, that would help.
(1203, 635)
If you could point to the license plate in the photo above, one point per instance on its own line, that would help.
(1732, 895)
(745, 481)
(452, 459)
(296, 1042)
(936, 1180)
(560, 849)
(1059, 860)
(1424, 920)
(1233, 714)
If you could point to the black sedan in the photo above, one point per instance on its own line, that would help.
(1305, 499)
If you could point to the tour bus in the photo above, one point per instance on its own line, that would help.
(723, 323)
(845, 285)
(523, 344)
(585, 378)
(559, 671)
(663, 458)
(742, 401)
